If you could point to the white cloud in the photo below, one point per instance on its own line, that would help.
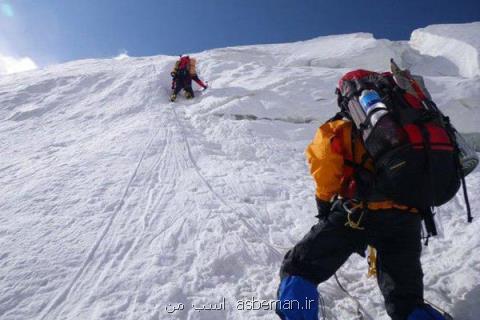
(122, 55)
(10, 65)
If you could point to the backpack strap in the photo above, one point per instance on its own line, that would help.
(451, 133)
(462, 178)
(338, 116)
(342, 103)
(360, 171)
(465, 194)
(430, 227)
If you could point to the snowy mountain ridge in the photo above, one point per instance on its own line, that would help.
(117, 204)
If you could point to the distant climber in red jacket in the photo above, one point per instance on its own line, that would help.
(183, 73)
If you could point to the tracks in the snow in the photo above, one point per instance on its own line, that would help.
(141, 235)
(125, 229)
(96, 261)
(237, 212)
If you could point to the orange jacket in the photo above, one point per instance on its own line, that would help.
(326, 156)
(193, 64)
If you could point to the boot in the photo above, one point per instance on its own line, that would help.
(173, 97)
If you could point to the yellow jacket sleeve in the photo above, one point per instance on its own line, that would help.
(325, 160)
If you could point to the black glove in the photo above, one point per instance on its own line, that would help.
(323, 208)
(173, 74)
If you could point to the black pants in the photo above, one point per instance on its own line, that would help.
(395, 234)
(183, 83)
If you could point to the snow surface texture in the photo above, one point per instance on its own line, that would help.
(117, 204)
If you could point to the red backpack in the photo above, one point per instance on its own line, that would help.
(412, 144)
(183, 66)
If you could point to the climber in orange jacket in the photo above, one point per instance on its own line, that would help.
(353, 213)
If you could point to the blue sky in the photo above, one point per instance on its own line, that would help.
(50, 31)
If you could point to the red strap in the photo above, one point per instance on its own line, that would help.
(417, 89)
(413, 101)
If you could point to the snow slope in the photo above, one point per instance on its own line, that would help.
(117, 204)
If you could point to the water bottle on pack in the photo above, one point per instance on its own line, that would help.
(373, 106)
(380, 132)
